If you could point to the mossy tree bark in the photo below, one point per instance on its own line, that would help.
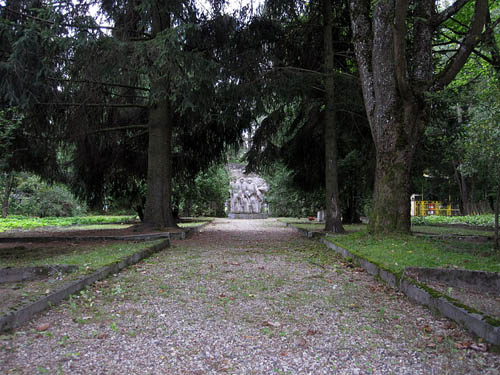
(497, 212)
(395, 78)
(333, 221)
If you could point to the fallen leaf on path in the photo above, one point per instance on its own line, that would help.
(463, 345)
(450, 325)
(482, 347)
(311, 332)
(272, 324)
(102, 336)
(43, 327)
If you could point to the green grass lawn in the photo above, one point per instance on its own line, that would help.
(397, 252)
(25, 222)
(451, 230)
(88, 258)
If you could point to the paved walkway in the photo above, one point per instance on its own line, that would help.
(242, 297)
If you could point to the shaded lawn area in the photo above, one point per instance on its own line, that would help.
(395, 252)
(451, 230)
(89, 257)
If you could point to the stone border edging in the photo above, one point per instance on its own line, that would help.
(474, 321)
(132, 237)
(304, 232)
(21, 316)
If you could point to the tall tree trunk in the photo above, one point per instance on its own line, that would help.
(497, 211)
(6, 195)
(158, 211)
(394, 156)
(333, 221)
(394, 88)
(465, 204)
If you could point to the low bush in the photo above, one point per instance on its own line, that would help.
(473, 220)
(33, 197)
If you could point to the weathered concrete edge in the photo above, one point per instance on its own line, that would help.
(474, 322)
(21, 316)
(304, 232)
(186, 233)
(133, 237)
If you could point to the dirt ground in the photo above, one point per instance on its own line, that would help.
(242, 297)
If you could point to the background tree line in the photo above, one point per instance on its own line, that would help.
(343, 99)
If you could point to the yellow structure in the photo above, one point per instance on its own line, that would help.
(428, 208)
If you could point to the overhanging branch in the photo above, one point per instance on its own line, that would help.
(449, 12)
(470, 42)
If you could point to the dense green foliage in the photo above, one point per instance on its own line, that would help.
(31, 196)
(30, 222)
(285, 199)
(205, 195)
(473, 220)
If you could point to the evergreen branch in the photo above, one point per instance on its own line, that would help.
(116, 128)
(99, 83)
(117, 105)
(80, 27)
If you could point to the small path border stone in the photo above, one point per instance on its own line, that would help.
(21, 316)
(475, 321)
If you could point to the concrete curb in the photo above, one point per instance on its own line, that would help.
(133, 237)
(21, 316)
(188, 232)
(463, 237)
(304, 232)
(475, 321)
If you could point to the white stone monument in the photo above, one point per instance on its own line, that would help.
(247, 194)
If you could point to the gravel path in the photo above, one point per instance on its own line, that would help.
(242, 297)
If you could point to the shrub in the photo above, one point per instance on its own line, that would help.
(34, 197)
